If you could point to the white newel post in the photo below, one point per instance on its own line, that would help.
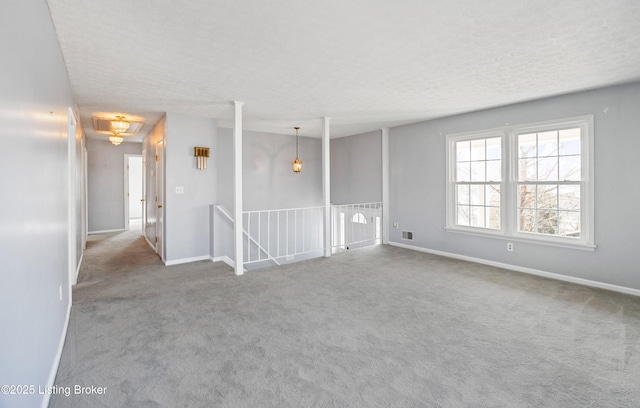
(385, 185)
(237, 188)
(326, 184)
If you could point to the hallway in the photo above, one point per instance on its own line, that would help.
(113, 318)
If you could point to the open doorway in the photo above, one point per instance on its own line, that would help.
(133, 197)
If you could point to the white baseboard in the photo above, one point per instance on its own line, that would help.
(187, 260)
(224, 259)
(149, 242)
(530, 271)
(105, 231)
(78, 268)
(56, 361)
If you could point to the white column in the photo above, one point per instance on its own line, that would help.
(326, 184)
(385, 185)
(237, 188)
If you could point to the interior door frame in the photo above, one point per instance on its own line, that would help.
(160, 210)
(127, 156)
(72, 125)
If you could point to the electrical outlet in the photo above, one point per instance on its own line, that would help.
(509, 247)
(60, 290)
(179, 190)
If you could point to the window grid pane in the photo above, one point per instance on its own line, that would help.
(548, 203)
(477, 201)
(549, 209)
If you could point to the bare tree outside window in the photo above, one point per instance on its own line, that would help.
(549, 175)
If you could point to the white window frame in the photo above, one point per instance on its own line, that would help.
(508, 195)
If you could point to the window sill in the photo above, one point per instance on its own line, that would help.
(541, 241)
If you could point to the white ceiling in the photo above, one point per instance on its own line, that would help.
(365, 63)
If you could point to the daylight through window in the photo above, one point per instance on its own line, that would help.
(532, 182)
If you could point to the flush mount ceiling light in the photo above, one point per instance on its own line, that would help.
(119, 125)
(297, 163)
(103, 123)
(116, 139)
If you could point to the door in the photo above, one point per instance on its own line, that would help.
(160, 198)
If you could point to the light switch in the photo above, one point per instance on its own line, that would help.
(179, 190)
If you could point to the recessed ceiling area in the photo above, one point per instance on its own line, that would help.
(366, 64)
(102, 123)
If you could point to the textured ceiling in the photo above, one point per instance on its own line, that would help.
(365, 63)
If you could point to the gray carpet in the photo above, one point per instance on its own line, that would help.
(376, 327)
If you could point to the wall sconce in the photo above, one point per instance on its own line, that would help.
(201, 154)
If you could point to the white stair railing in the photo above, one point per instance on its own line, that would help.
(250, 239)
(283, 233)
(355, 225)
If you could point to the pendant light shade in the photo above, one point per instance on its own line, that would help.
(119, 125)
(296, 165)
(116, 139)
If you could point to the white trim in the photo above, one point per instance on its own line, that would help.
(127, 200)
(105, 231)
(385, 185)
(326, 184)
(187, 260)
(78, 269)
(237, 189)
(72, 209)
(58, 357)
(224, 259)
(530, 271)
(519, 238)
(150, 244)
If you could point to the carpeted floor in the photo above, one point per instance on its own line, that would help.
(376, 327)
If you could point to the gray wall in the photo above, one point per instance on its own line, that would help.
(356, 168)
(222, 240)
(34, 98)
(106, 183)
(268, 181)
(267, 178)
(187, 215)
(417, 186)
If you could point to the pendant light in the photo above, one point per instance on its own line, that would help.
(297, 163)
(116, 139)
(119, 125)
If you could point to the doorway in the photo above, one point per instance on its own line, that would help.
(160, 198)
(133, 192)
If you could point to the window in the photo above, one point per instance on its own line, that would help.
(528, 182)
(358, 218)
(477, 182)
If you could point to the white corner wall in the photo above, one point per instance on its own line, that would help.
(34, 294)
(187, 215)
(417, 187)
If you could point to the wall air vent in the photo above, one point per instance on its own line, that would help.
(408, 235)
(103, 125)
